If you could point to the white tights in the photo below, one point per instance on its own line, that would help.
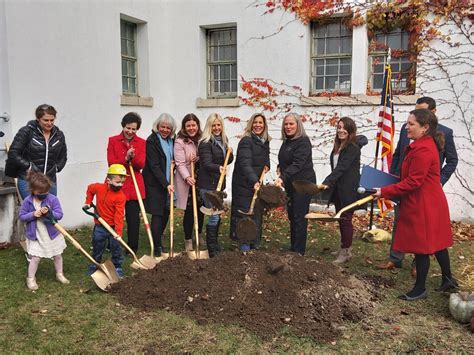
(35, 260)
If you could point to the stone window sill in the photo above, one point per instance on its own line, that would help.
(355, 100)
(127, 100)
(223, 102)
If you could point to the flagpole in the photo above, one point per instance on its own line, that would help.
(377, 147)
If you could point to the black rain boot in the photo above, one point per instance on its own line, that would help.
(211, 240)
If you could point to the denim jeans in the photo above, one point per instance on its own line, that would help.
(214, 219)
(100, 235)
(24, 189)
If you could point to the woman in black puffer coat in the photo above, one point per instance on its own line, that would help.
(39, 146)
(212, 150)
(296, 163)
(253, 155)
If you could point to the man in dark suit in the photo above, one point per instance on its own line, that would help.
(448, 159)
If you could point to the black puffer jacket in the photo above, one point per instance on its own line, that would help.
(252, 156)
(345, 176)
(30, 150)
(211, 157)
(296, 162)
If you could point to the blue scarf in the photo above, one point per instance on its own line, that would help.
(218, 140)
(167, 145)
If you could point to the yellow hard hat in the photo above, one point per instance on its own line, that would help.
(117, 169)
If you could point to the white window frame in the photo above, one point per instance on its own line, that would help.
(129, 57)
(211, 64)
(315, 57)
(396, 62)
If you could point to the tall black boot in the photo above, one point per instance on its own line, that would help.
(211, 240)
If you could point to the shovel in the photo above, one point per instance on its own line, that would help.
(307, 187)
(105, 274)
(246, 228)
(196, 254)
(216, 198)
(148, 260)
(327, 218)
(136, 264)
(172, 254)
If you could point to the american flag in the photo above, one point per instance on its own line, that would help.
(385, 131)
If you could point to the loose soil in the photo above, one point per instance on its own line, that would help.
(263, 292)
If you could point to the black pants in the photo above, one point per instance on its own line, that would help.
(132, 215)
(297, 208)
(422, 262)
(158, 226)
(188, 218)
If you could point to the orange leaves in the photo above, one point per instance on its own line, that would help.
(262, 93)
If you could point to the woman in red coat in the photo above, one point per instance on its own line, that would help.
(424, 226)
(124, 149)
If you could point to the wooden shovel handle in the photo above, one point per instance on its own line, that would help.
(119, 238)
(226, 161)
(171, 210)
(355, 204)
(195, 213)
(254, 197)
(142, 210)
(76, 244)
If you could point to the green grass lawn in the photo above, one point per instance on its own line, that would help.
(80, 318)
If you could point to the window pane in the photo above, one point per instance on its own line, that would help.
(225, 53)
(331, 82)
(405, 41)
(123, 45)
(233, 52)
(122, 28)
(213, 38)
(331, 69)
(225, 72)
(378, 81)
(394, 41)
(234, 86)
(332, 45)
(225, 86)
(124, 67)
(214, 72)
(132, 86)
(333, 30)
(345, 69)
(320, 47)
(234, 71)
(345, 82)
(131, 48)
(131, 68)
(320, 70)
(320, 32)
(319, 83)
(346, 45)
(124, 84)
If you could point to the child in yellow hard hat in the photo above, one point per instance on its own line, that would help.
(110, 205)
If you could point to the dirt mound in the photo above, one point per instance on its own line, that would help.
(260, 291)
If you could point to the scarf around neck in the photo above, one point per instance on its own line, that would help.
(167, 145)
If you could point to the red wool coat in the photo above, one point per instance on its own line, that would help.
(424, 226)
(116, 153)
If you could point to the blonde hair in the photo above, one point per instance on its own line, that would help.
(300, 131)
(248, 129)
(165, 118)
(207, 131)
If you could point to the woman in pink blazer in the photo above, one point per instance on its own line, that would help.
(185, 151)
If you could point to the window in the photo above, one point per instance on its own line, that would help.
(331, 55)
(403, 69)
(222, 62)
(128, 37)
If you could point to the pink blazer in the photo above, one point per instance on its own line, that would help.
(183, 153)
